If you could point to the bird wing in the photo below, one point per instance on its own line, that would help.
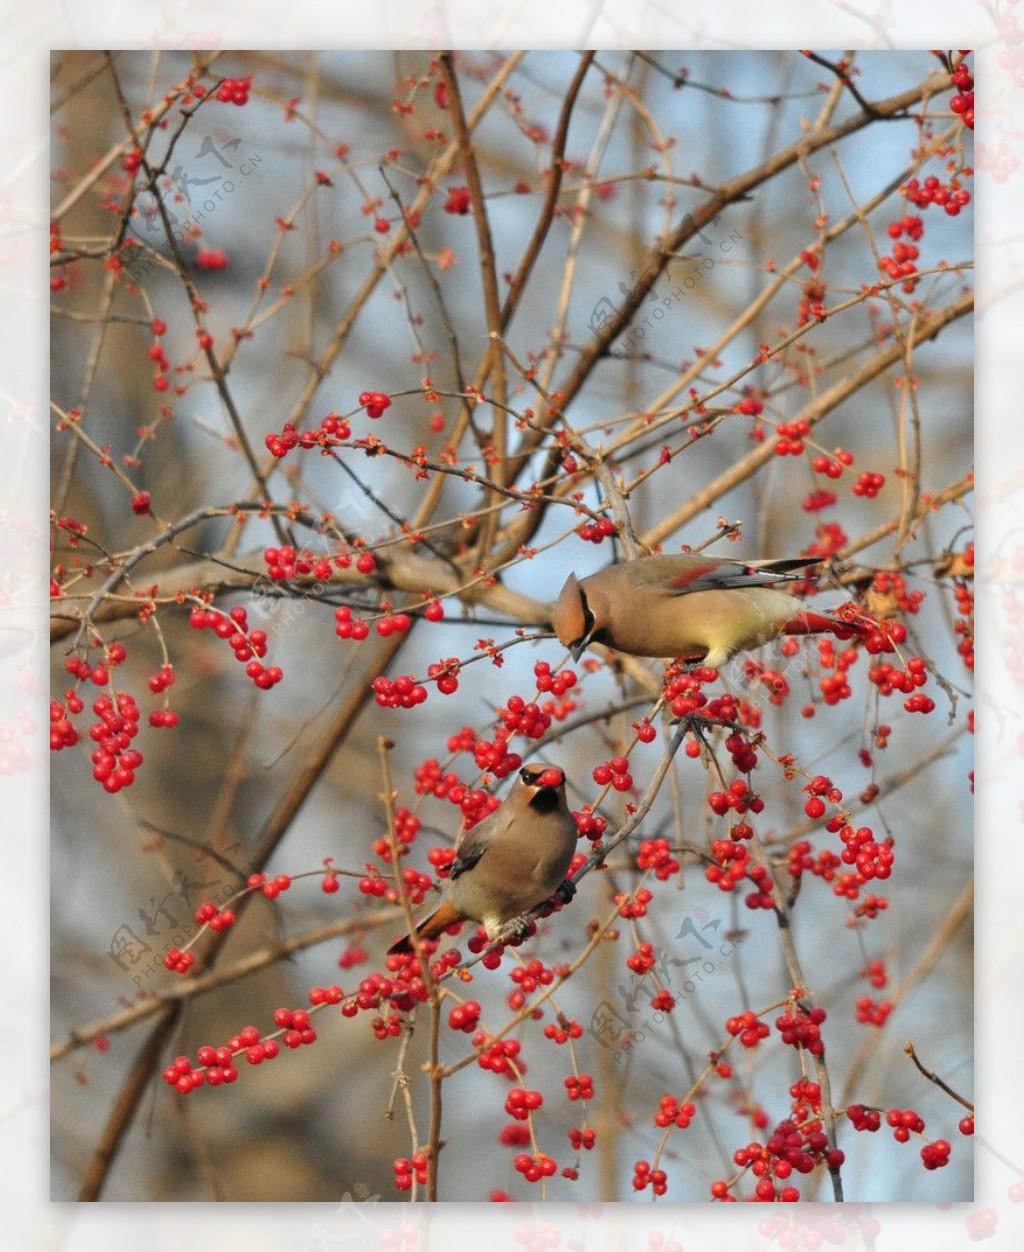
(728, 575)
(472, 847)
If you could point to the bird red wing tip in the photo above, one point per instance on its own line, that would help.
(684, 580)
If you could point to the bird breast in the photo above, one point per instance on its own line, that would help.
(713, 623)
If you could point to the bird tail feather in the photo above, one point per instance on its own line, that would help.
(808, 622)
(434, 924)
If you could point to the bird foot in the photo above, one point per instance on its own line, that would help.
(562, 894)
(695, 723)
(515, 931)
(565, 892)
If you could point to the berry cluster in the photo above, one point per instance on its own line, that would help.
(683, 694)
(590, 825)
(791, 435)
(818, 500)
(247, 645)
(832, 466)
(528, 978)
(375, 402)
(801, 1028)
(773, 682)
(964, 624)
(579, 1086)
(346, 628)
(563, 1030)
(156, 354)
(210, 259)
(633, 905)
(902, 262)
(403, 692)
(864, 1119)
(234, 90)
(184, 1077)
(514, 1135)
(732, 865)
(748, 1028)
(791, 1147)
(520, 1103)
(269, 888)
(491, 757)
(670, 1112)
(297, 1027)
(445, 674)
(657, 854)
(951, 196)
(332, 432)
(833, 682)
(63, 733)
(499, 1057)
(875, 973)
(407, 827)
(871, 858)
(904, 1123)
(596, 532)
(465, 1016)
(458, 201)
(614, 772)
(522, 717)
(868, 484)
(535, 1168)
(888, 678)
(739, 799)
(114, 760)
(1011, 58)
(871, 1012)
(801, 860)
(963, 102)
(643, 960)
(644, 1177)
(819, 786)
(406, 1168)
(179, 962)
(558, 684)
(218, 919)
(389, 1027)
(285, 563)
(936, 1155)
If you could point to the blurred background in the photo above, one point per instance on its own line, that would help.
(642, 151)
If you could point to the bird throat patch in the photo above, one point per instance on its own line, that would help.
(545, 801)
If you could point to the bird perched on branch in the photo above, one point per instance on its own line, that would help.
(510, 862)
(690, 605)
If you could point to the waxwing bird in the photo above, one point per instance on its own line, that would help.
(689, 605)
(510, 862)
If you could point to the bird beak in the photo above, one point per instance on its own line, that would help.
(550, 779)
(577, 649)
